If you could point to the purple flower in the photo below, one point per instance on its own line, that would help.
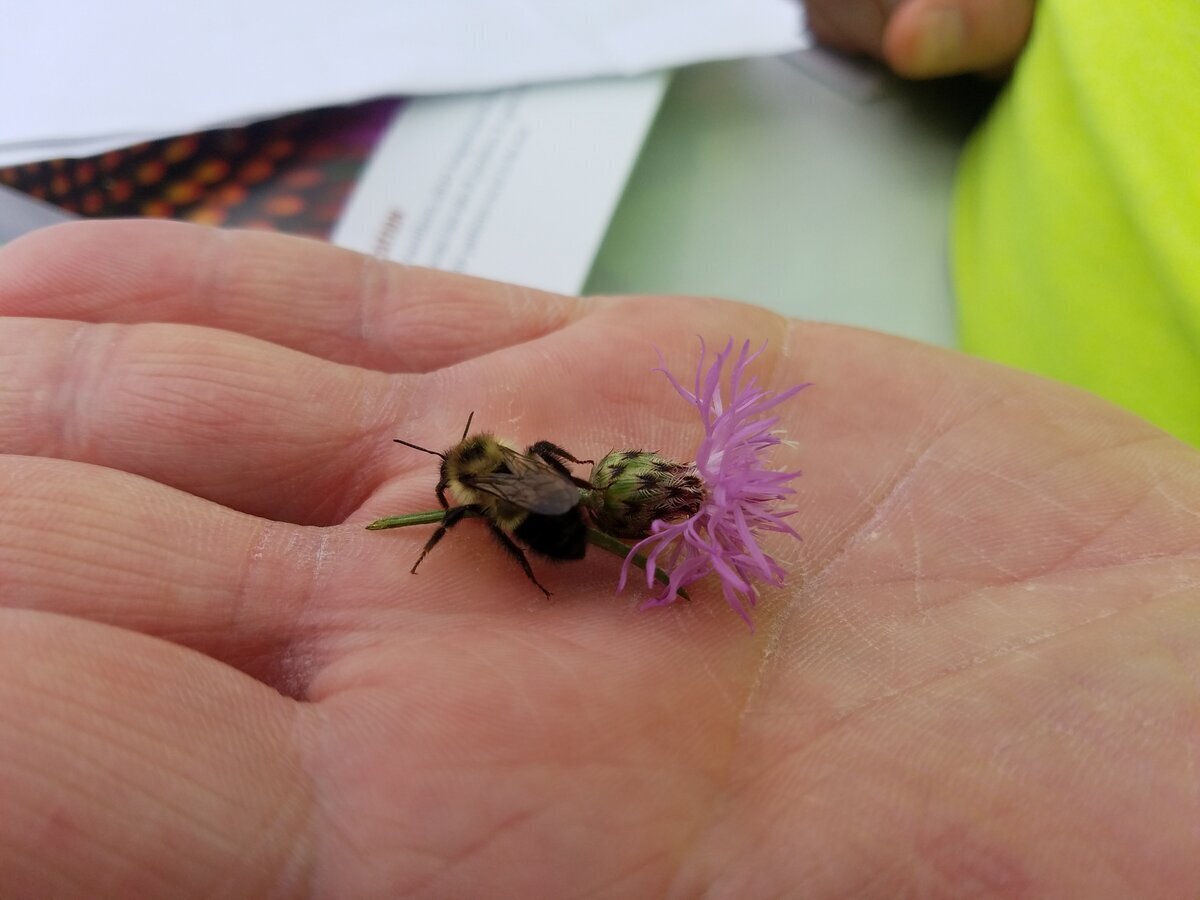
(740, 493)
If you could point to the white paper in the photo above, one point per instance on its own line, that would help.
(145, 68)
(516, 185)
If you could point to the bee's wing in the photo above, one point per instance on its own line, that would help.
(530, 484)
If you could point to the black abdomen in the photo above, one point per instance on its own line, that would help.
(557, 537)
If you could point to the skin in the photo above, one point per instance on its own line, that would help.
(981, 678)
(927, 38)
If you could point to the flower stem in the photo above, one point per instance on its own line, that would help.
(614, 546)
(431, 517)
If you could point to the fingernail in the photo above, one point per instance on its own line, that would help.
(940, 46)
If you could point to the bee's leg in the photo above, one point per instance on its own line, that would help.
(554, 454)
(517, 553)
(449, 520)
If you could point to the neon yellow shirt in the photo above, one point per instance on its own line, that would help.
(1077, 213)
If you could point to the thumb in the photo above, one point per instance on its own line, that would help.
(929, 38)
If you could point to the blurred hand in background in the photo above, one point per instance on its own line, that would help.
(926, 38)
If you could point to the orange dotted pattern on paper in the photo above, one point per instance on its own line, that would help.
(289, 174)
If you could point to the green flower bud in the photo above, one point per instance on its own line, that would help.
(632, 488)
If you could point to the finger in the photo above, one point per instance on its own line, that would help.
(130, 762)
(929, 38)
(854, 27)
(248, 424)
(102, 545)
(276, 601)
(302, 294)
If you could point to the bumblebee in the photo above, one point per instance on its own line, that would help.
(531, 496)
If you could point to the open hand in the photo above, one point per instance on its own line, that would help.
(981, 675)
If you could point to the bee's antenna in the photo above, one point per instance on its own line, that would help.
(468, 428)
(422, 449)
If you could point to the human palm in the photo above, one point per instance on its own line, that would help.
(980, 677)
